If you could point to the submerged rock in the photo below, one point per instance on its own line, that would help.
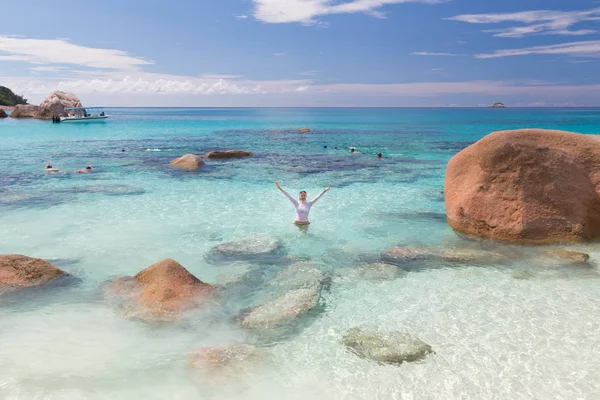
(188, 162)
(228, 154)
(299, 275)
(280, 310)
(386, 348)
(379, 271)
(529, 185)
(399, 255)
(248, 247)
(225, 363)
(25, 111)
(163, 291)
(17, 271)
(567, 256)
(56, 103)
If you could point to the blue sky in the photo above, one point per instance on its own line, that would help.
(305, 52)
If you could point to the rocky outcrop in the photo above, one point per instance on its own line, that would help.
(221, 364)
(498, 105)
(567, 256)
(25, 111)
(401, 255)
(281, 310)
(528, 185)
(228, 154)
(304, 130)
(55, 105)
(300, 275)
(163, 291)
(250, 247)
(386, 348)
(3, 114)
(17, 271)
(188, 162)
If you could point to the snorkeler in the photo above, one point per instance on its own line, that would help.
(85, 170)
(302, 206)
(50, 168)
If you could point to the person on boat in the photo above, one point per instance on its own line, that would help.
(85, 170)
(50, 168)
(302, 206)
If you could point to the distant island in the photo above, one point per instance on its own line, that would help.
(9, 99)
(498, 105)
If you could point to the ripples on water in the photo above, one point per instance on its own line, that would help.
(519, 328)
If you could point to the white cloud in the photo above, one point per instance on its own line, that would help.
(312, 72)
(426, 53)
(590, 48)
(59, 51)
(241, 17)
(47, 69)
(541, 22)
(305, 11)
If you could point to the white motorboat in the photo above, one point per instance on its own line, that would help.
(84, 114)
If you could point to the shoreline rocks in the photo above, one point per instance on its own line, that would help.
(18, 271)
(188, 162)
(3, 114)
(529, 186)
(228, 154)
(386, 348)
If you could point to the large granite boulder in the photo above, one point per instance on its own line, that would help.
(281, 310)
(228, 154)
(3, 113)
(528, 185)
(56, 103)
(188, 162)
(25, 111)
(163, 291)
(17, 271)
(386, 347)
(221, 364)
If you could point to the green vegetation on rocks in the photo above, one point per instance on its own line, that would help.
(8, 98)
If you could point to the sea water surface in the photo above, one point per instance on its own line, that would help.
(516, 330)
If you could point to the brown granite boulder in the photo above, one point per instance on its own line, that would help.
(228, 154)
(3, 113)
(188, 162)
(17, 271)
(25, 111)
(56, 103)
(304, 130)
(162, 291)
(527, 185)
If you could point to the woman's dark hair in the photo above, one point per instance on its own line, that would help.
(302, 191)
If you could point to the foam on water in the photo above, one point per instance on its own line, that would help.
(494, 336)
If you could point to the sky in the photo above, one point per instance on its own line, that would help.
(305, 53)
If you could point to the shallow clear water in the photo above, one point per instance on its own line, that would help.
(494, 336)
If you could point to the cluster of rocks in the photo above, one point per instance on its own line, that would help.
(53, 106)
(193, 162)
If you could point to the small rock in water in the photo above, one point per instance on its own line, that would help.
(234, 274)
(300, 275)
(228, 154)
(379, 271)
(386, 348)
(248, 247)
(188, 162)
(18, 271)
(225, 363)
(567, 256)
(280, 310)
(304, 130)
(398, 255)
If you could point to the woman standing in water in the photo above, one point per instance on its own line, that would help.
(302, 206)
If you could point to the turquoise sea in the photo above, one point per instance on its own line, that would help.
(521, 329)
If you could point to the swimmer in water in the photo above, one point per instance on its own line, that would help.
(50, 168)
(302, 206)
(85, 170)
(379, 155)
